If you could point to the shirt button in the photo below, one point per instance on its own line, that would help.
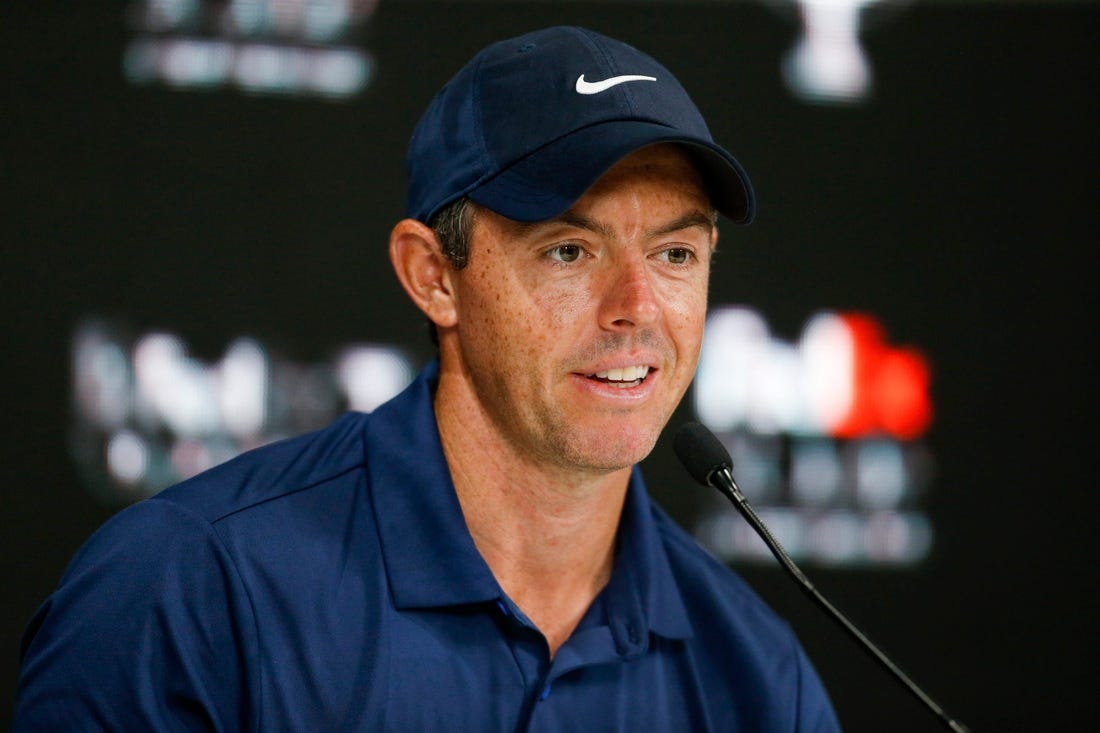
(503, 608)
(632, 633)
(545, 692)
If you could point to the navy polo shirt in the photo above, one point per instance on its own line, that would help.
(329, 583)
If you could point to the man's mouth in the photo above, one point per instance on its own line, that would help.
(625, 377)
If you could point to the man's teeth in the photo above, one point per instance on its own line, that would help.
(628, 374)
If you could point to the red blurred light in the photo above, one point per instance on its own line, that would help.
(901, 388)
(890, 385)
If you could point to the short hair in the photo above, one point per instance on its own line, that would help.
(454, 227)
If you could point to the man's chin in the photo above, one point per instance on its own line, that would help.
(607, 453)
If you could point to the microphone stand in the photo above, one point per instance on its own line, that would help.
(721, 478)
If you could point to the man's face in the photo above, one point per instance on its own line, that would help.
(579, 335)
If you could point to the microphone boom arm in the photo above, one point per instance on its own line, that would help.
(721, 478)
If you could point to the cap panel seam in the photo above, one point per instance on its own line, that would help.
(608, 58)
(487, 162)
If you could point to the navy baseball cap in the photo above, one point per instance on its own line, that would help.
(530, 123)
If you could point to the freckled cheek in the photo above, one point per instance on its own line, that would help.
(558, 310)
(487, 315)
(515, 324)
(686, 312)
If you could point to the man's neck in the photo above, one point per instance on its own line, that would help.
(547, 533)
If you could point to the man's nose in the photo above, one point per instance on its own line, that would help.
(629, 300)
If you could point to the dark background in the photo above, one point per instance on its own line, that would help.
(958, 205)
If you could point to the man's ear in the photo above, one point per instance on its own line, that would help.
(423, 270)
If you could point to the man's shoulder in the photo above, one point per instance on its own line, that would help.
(709, 586)
(256, 489)
(274, 471)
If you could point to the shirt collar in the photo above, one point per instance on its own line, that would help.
(428, 552)
(643, 592)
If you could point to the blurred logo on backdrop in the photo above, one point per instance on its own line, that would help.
(828, 63)
(825, 432)
(302, 48)
(308, 48)
(825, 435)
(147, 413)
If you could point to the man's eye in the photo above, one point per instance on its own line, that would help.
(566, 253)
(678, 255)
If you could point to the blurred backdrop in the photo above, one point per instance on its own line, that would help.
(198, 196)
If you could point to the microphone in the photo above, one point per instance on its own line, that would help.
(709, 463)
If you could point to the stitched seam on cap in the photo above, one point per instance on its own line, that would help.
(624, 92)
(479, 126)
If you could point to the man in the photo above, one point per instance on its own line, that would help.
(479, 554)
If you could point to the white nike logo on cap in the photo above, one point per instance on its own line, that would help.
(595, 87)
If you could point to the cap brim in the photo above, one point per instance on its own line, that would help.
(548, 181)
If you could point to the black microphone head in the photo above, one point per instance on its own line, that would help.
(700, 451)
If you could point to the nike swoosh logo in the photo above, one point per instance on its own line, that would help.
(595, 87)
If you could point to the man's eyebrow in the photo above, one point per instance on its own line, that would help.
(569, 218)
(694, 219)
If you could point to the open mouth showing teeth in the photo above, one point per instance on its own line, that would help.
(630, 376)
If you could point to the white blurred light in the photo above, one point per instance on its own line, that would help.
(261, 46)
(127, 457)
(747, 378)
(242, 388)
(103, 383)
(757, 461)
(195, 63)
(828, 63)
(261, 67)
(836, 537)
(788, 526)
(735, 343)
(176, 388)
(776, 407)
(900, 538)
(827, 351)
(880, 474)
(816, 473)
(371, 375)
(339, 72)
